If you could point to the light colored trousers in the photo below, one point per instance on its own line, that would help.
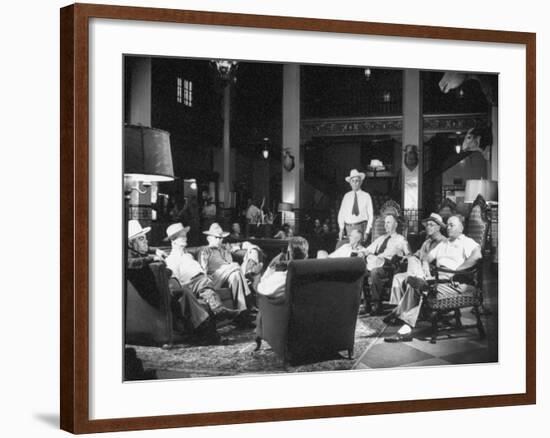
(409, 301)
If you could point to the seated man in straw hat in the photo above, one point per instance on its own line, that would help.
(356, 208)
(138, 272)
(456, 253)
(217, 262)
(190, 274)
(417, 265)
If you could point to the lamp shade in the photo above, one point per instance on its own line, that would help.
(147, 154)
(487, 189)
(285, 206)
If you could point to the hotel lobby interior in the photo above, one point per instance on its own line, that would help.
(266, 151)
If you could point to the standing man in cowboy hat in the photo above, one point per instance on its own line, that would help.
(217, 262)
(356, 208)
(190, 274)
(417, 265)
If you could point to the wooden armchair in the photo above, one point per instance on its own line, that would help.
(438, 307)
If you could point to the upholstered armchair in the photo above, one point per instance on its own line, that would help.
(319, 311)
(149, 319)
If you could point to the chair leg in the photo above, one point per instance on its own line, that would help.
(350, 353)
(457, 318)
(480, 328)
(434, 317)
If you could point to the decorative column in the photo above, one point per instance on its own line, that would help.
(412, 129)
(226, 146)
(140, 114)
(292, 179)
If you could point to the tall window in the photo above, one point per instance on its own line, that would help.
(179, 91)
(184, 92)
(188, 93)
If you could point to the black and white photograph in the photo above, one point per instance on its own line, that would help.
(290, 218)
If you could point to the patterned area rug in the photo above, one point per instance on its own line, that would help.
(238, 356)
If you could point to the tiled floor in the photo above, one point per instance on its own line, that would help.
(462, 348)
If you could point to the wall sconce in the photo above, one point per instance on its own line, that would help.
(458, 146)
(367, 73)
(265, 150)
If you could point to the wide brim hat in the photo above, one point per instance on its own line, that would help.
(434, 217)
(353, 174)
(216, 231)
(135, 230)
(175, 230)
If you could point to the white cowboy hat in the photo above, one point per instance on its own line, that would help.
(355, 173)
(216, 230)
(135, 230)
(175, 230)
(434, 217)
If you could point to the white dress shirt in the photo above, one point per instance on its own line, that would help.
(345, 251)
(364, 202)
(452, 253)
(183, 266)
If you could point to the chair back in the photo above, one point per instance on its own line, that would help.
(477, 225)
(322, 304)
(149, 319)
(389, 207)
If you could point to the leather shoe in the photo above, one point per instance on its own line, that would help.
(376, 308)
(226, 313)
(399, 338)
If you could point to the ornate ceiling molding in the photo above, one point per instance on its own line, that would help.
(351, 126)
(434, 123)
(391, 125)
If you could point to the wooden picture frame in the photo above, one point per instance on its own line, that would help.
(75, 226)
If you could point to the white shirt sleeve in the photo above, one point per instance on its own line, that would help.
(469, 246)
(341, 213)
(372, 247)
(343, 251)
(272, 283)
(369, 213)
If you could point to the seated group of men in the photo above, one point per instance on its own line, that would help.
(454, 252)
(214, 268)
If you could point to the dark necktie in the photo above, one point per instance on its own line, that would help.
(382, 247)
(355, 209)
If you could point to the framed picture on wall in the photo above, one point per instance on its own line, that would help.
(197, 260)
